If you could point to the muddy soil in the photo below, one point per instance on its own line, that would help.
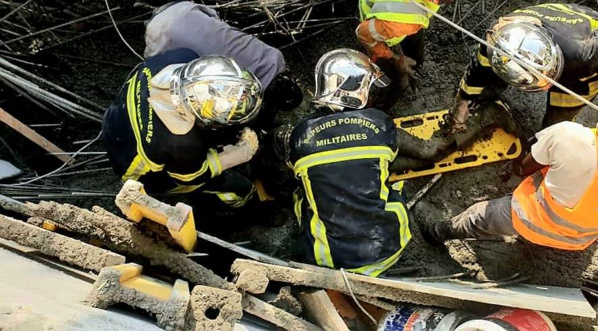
(447, 52)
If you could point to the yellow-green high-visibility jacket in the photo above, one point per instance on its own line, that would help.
(401, 11)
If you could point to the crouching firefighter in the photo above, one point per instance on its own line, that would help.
(352, 216)
(554, 206)
(171, 118)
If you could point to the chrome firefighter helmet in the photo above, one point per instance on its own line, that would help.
(344, 77)
(531, 45)
(217, 91)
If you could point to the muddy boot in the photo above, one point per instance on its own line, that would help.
(485, 116)
(434, 231)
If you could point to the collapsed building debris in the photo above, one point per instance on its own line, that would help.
(124, 283)
(66, 249)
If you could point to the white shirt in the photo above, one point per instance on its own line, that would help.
(570, 150)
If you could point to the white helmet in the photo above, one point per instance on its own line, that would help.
(217, 91)
(344, 77)
(533, 46)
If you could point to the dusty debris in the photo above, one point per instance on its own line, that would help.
(252, 282)
(66, 249)
(287, 301)
(125, 284)
(276, 316)
(562, 301)
(122, 236)
(213, 309)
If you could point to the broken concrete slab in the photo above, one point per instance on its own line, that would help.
(558, 300)
(213, 309)
(287, 302)
(124, 237)
(66, 249)
(125, 284)
(276, 316)
(252, 282)
(34, 289)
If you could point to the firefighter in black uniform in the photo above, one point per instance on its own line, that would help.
(558, 40)
(352, 216)
(175, 123)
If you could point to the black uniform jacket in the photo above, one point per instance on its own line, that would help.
(352, 216)
(139, 145)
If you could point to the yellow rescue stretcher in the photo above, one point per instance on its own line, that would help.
(498, 146)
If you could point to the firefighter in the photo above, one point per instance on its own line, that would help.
(555, 205)
(175, 122)
(558, 40)
(352, 217)
(393, 33)
(185, 24)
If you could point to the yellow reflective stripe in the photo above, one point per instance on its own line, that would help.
(297, 206)
(588, 78)
(402, 11)
(399, 209)
(374, 270)
(191, 176)
(343, 154)
(558, 99)
(471, 90)
(404, 232)
(482, 59)
(132, 112)
(180, 189)
(136, 169)
(398, 186)
(214, 163)
(395, 41)
(534, 228)
(317, 228)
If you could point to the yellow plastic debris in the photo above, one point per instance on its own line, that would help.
(136, 205)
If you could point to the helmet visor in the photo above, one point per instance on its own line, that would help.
(223, 101)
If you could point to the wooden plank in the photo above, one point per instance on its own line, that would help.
(320, 309)
(559, 300)
(35, 137)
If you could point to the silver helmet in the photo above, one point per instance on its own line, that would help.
(531, 45)
(344, 77)
(217, 91)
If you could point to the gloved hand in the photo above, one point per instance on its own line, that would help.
(459, 115)
(405, 64)
(241, 152)
(249, 138)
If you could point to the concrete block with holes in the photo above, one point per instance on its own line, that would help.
(213, 309)
(125, 284)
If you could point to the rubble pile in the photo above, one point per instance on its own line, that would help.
(160, 276)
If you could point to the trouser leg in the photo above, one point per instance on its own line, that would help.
(484, 220)
(413, 46)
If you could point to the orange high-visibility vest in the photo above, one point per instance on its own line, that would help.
(540, 219)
